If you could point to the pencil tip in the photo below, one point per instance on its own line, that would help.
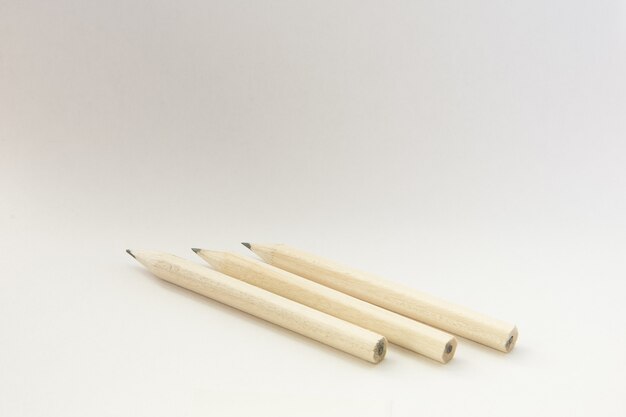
(130, 253)
(247, 245)
(196, 250)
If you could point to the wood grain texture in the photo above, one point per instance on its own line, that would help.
(447, 316)
(286, 313)
(398, 329)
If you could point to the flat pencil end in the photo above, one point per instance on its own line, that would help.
(130, 253)
(247, 245)
(449, 351)
(380, 350)
(510, 343)
(196, 250)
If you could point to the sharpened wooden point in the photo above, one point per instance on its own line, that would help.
(130, 253)
(196, 250)
(247, 245)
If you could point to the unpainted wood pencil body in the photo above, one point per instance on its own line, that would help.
(398, 329)
(395, 297)
(301, 319)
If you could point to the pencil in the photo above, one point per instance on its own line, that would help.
(447, 316)
(398, 329)
(301, 319)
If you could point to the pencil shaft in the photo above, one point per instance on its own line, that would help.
(398, 329)
(406, 301)
(301, 319)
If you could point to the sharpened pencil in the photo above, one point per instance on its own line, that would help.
(398, 329)
(301, 319)
(433, 311)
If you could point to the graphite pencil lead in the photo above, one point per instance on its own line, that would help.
(196, 250)
(130, 253)
(247, 245)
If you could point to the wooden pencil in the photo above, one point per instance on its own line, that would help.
(301, 319)
(447, 316)
(398, 329)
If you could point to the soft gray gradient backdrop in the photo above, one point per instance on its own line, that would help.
(475, 150)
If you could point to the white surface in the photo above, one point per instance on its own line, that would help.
(475, 150)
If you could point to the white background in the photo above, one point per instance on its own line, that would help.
(474, 150)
